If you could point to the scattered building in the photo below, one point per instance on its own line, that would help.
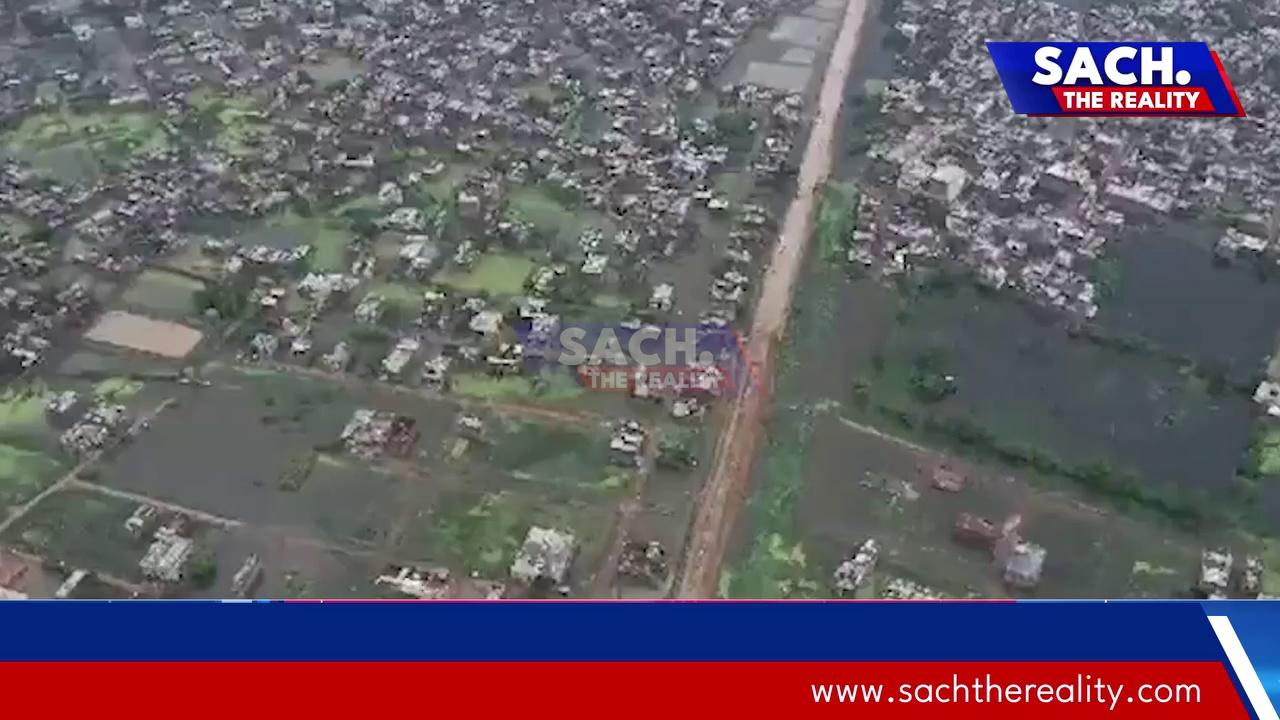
(544, 557)
(853, 573)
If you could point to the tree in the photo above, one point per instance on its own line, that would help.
(230, 301)
(202, 568)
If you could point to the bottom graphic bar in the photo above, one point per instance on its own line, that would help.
(990, 690)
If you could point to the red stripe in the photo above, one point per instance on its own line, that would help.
(591, 690)
(1222, 72)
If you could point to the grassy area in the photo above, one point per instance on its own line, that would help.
(24, 473)
(109, 137)
(22, 415)
(775, 564)
(482, 535)
(552, 386)
(494, 273)
(82, 529)
(117, 388)
(1267, 451)
(443, 187)
(237, 125)
(164, 292)
(406, 295)
(551, 453)
(328, 239)
(551, 217)
(837, 218)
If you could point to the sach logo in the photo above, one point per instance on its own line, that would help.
(1115, 79)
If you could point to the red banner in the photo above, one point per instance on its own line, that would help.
(1137, 100)
(992, 691)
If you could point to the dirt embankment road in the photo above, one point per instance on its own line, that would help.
(725, 492)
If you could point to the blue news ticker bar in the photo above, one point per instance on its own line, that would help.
(435, 630)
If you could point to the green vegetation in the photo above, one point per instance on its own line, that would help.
(547, 387)
(24, 474)
(405, 296)
(106, 137)
(228, 300)
(485, 536)
(736, 130)
(1122, 487)
(82, 529)
(1265, 451)
(202, 568)
(554, 214)
(837, 219)
(117, 388)
(328, 238)
(493, 273)
(163, 292)
(300, 466)
(677, 450)
(238, 128)
(553, 454)
(930, 382)
(775, 564)
(22, 413)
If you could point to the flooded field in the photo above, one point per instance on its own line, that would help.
(861, 486)
(227, 451)
(1163, 284)
(1028, 382)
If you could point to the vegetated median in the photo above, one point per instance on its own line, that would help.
(775, 563)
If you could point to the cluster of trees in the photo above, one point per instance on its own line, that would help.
(230, 301)
(1101, 478)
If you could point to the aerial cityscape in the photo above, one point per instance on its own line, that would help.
(283, 284)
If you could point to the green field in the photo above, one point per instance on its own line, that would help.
(550, 387)
(837, 218)
(164, 292)
(1268, 452)
(82, 529)
(328, 238)
(24, 473)
(22, 415)
(106, 137)
(494, 273)
(117, 388)
(237, 126)
(552, 218)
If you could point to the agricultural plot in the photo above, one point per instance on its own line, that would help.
(162, 293)
(1157, 427)
(235, 125)
(263, 447)
(522, 474)
(494, 273)
(63, 141)
(859, 486)
(82, 529)
(328, 238)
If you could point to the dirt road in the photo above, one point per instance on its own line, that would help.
(725, 491)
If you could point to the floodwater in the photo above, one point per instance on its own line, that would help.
(1025, 379)
(1168, 289)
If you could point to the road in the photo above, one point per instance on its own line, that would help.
(725, 491)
